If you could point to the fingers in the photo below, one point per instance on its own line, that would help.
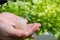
(37, 26)
(32, 29)
(34, 24)
(28, 26)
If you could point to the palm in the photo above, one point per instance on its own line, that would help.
(8, 26)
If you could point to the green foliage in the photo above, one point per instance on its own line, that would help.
(46, 12)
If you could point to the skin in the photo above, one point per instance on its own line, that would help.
(9, 28)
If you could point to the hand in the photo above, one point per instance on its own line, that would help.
(8, 26)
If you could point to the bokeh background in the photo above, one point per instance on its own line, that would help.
(45, 12)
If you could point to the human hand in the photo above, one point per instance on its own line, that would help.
(8, 26)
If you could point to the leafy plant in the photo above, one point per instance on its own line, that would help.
(46, 12)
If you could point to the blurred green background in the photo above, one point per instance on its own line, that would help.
(45, 12)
